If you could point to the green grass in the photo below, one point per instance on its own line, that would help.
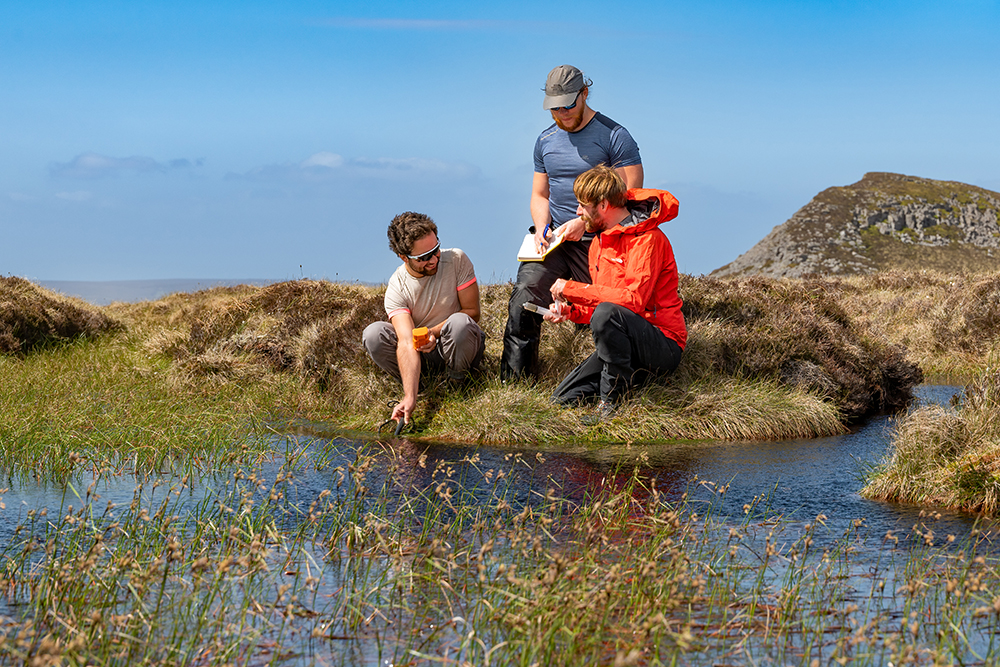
(109, 403)
(190, 374)
(211, 563)
(192, 381)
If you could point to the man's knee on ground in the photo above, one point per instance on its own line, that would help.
(463, 343)
(602, 318)
(376, 336)
(459, 325)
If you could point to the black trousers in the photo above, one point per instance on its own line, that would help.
(534, 280)
(629, 350)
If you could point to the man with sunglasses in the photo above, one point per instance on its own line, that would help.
(579, 139)
(434, 288)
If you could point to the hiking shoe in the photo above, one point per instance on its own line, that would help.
(604, 411)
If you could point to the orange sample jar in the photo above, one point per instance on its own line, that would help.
(420, 337)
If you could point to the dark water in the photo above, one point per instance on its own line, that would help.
(795, 479)
(805, 478)
(789, 483)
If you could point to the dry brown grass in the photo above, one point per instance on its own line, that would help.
(947, 457)
(765, 359)
(948, 323)
(32, 317)
(310, 327)
(759, 350)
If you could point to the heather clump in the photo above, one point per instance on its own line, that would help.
(32, 317)
(304, 326)
(797, 334)
(766, 359)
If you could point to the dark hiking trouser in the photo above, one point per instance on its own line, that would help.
(459, 349)
(534, 280)
(629, 349)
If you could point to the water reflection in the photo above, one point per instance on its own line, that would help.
(798, 479)
(368, 483)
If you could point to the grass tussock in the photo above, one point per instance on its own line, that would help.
(947, 457)
(727, 409)
(760, 346)
(32, 317)
(310, 327)
(798, 334)
(765, 359)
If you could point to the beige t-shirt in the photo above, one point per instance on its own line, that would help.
(430, 300)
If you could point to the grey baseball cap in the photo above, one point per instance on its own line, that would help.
(562, 86)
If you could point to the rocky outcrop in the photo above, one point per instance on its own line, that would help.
(883, 221)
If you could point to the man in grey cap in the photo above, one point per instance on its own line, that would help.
(578, 140)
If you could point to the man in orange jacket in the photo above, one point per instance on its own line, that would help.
(632, 304)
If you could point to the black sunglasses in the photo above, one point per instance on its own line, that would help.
(427, 255)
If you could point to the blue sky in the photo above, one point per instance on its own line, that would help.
(276, 140)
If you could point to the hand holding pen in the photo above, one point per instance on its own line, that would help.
(542, 240)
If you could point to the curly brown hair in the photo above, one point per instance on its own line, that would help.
(406, 229)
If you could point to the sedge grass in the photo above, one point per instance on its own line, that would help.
(402, 560)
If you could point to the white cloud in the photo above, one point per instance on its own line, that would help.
(323, 159)
(19, 196)
(78, 195)
(569, 27)
(418, 166)
(93, 165)
(329, 167)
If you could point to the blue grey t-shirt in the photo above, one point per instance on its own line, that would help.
(565, 155)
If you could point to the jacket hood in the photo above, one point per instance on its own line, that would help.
(647, 208)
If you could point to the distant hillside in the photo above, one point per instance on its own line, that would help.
(884, 221)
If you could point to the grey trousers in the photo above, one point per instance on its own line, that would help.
(459, 349)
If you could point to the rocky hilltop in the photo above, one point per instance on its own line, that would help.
(884, 221)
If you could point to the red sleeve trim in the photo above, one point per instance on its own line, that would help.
(467, 283)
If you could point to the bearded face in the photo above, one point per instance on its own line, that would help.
(591, 216)
(571, 120)
(425, 258)
(428, 269)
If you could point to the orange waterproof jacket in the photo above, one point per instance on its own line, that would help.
(632, 264)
